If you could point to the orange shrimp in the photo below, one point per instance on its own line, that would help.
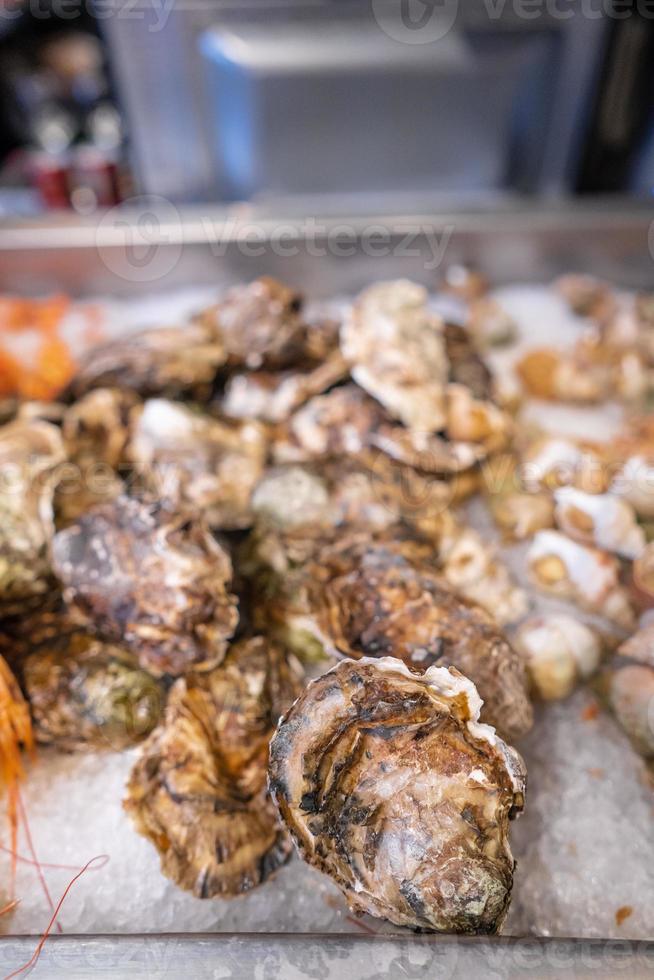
(15, 734)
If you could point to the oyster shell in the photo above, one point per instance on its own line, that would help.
(336, 424)
(551, 462)
(586, 576)
(469, 419)
(87, 694)
(269, 396)
(258, 324)
(380, 596)
(389, 785)
(152, 578)
(198, 790)
(31, 454)
(635, 484)
(195, 461)
(599, 519)
(563, 376)
(520, 514)
(560, 651)
(396, 352)
(467, 366)
(172, 361)
(490, 324)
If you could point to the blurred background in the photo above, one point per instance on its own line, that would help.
(472, 101)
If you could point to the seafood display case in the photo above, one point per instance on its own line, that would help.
(192, 253)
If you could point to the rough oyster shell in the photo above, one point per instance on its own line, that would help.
(258, 324)
(152, 578)
(395, 349)
(390, 786)
(195, 461)
(198, 790)
(336, 424)
(380, 596)
(602, 520)
(172, 361)
(587, 576)
(269, 396)
(467, 366)
(30, 456)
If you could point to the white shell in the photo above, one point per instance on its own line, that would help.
(613, 521)
(559, 650)
(635, 484)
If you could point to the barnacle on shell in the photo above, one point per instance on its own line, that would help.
(587, 576)
(198, 462)
(380, 595)
(389, 784)
(396, 352)
(153, 578)
(198, 790)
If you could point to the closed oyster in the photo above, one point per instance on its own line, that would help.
(258, 324)
(150, 577)
(599, 519)
(86, 694)
(395, 349)
(381, 596)
(560, 651)
(30, 456)
(389, 785)
(269, 396)
(171, 361)
(586, 576)
(96, 431)
(198, 790)
(195, 461)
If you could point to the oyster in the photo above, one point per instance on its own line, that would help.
(95, 431)
(635, 484)
(628, 684)
(30, 456)
(586, 295)
(560, 651)
(561, 376)
(171, 361)
(152, 578)
(269, 396)
(389, 784)
(87, 694)
(336, 424)
(198, 790)
(490, 324)
(258, 324)
(395, 349)
(599, 519)
(195, 461)
(380, 596)
(467, 367)
(551, 462)
(425, 451)
(520, 514)
(587, 576)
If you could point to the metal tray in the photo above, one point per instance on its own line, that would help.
(154, 246)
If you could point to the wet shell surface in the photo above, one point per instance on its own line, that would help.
(390, 785)
(152, 578)
(198, 790)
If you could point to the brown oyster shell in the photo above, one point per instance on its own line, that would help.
(172, 361)
(467, 366)
(394, 346)
(258, 324)
(198, 462)
(390, 786)
(152, 578)
(198, 790)
(31, 453)
(363, 597)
